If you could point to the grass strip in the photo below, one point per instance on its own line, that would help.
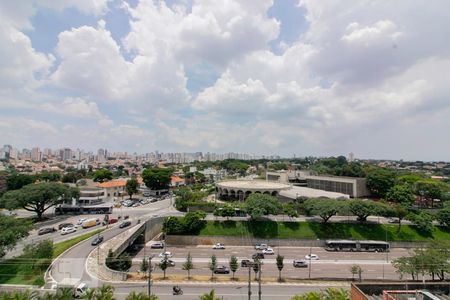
(25, 270)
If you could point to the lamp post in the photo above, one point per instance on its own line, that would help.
(310, 263)
(250, 280)
(150, 269)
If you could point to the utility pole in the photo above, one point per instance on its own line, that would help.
(150, 269)
(249, 281)
(310, 263)
(259, 281)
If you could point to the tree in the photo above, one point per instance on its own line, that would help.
(12, 230)
(400, 212)
(280, 265)
(256, 267)
(258, 205)
(422, 219)
(157, 178)
(132, 186)
(163, 265)
(325, 208)
(401, 194)
(64, 293)
(290, 210)
(102, 175)
(428, 190)
(336, 294)
(379, 181)
(188, 265)
(227, 211)
(234, 265)
(364, 208)
(209, 296)
(212, 265)
(38, 197)
(49, 176)
(443, 217)
(16, 181)
(144, 265)
(140, 296)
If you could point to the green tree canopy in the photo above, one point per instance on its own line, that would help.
(401, 194)
(16, 181)
(157, 178)
(102, 175)
(325, 208)
(380, 180)
(11, 231)
(132, 186)
(364, 208)
(258, 205)
(38, 197)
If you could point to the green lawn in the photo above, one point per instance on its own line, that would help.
(20, 270)
(310, 230)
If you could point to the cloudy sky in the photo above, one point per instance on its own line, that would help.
(310, 77)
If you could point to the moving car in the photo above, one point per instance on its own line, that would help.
(80, 221)
(261, 246)
(124, 224)
(97, 240)
(170, 263)
(62, 225)
(67, 230)
(258, 256)
(153, 200)
(268, 251)
(245, 263)
(77, 288)
(219, 246)
(300, 263)
(157, 245)
(221, 270)
(166, 254)
(312, 257)
(46, 230)
(110, 221)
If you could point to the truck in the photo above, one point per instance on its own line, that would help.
(90, 223)
(78, 288)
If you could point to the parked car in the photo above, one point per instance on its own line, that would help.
(268, 251)
(166, 254)
(153, 200)
(157, 245)
(46, 230)
(312, 257)
(219, 246)
(221, 270)
(124, 224)
(170, 263)
(261, 246)
(67, 230)
(136, 204)
(300, 263)
(245, 263)
(97, 240)
(393, 220)
(258, 256)
(62, 225)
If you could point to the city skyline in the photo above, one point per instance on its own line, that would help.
(260, 77)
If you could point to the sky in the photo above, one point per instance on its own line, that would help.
(303, 77)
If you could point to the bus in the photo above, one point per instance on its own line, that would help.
(65, 209)
(356, 246)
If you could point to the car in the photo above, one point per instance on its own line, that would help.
(268, 251)
(245, 263)
(261, 246)
(153, 200)
(170, 263)
(126, 217)
(221, 270)
(312, 257)
(157, 245)
(300, 263)
(393, 221)
(258, 256)
(46, 230)
(80, 221)
(166, 254)
(97, 240)
(67, 230)
(124, 224)
(219, 246)
(136, 204)
(62, 225)
(110, 221)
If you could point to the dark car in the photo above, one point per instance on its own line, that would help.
(97, 240)
(157, 245)
(245, 263)
(300, 263)
(124, 224)
(170, 263)
(258, 256)
(61, 226)
(46, 230)
(221, 270)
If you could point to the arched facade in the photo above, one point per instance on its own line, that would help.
(241, 189)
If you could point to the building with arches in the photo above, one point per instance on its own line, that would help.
(241, 189)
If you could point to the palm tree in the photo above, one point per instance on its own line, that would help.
(46, 296)
(209, 296)
(140, 296)
(105, 292)
(336, 294)
(65, 293)
(89, 294)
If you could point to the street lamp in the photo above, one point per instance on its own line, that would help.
(150, 269)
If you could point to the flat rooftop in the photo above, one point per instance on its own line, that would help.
(253, 184)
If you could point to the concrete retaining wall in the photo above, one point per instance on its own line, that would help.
(190, 240)
(153, 227)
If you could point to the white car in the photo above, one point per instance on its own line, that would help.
(268, 251)
(166, 254)
(261, 246)
(312, 257)
(219, 246)
(80, 221)
(67, 230)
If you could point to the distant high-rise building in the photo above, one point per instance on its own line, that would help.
(351, 157)
(65, 154)
(36, 154)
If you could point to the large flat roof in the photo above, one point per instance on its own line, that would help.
(299, 191)
(252, 184)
